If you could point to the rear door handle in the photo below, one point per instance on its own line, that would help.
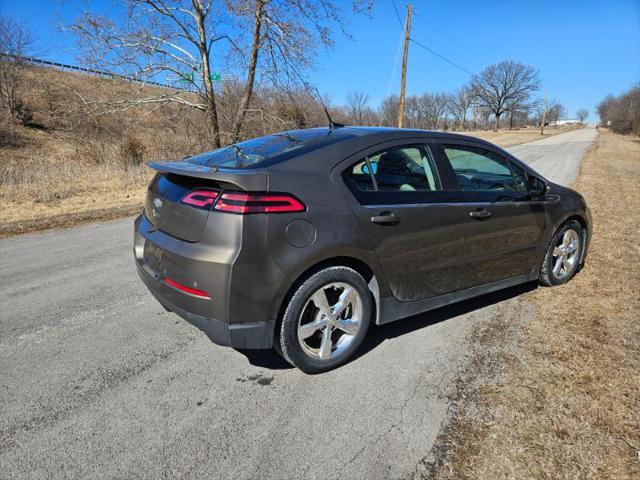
(386, 219)
(480, 213)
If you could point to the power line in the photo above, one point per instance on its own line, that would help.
(393, 70)
(395, 63)
(442, 57)
(424, 46)
(433, 26)
(397, 14)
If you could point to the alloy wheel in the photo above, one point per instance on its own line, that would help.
(330, 321)
(565, 254)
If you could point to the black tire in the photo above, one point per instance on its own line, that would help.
(548, 277)
(288, 344)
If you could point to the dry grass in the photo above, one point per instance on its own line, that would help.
(73, 165)
(569, 404)
(41, 184)
(506, 138)
(34, 187)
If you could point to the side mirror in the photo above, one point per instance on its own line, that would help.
(537, 187)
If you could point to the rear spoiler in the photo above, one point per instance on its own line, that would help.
(245, 179)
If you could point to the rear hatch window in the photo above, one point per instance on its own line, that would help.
(266, 150)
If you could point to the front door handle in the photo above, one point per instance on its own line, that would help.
(386, 219)
(480, 213)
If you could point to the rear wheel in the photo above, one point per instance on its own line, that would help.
(326, 320)
(563, 255)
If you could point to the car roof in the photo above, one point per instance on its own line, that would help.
(342, 141)
(386, 133)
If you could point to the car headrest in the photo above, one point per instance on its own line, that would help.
(391, 161)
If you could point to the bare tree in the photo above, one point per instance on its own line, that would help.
(15, 40)
(512, 109)
(389, 110)
(556, 112)
(622, 113)
(458, 105)
(548, 111)
(475, 113)
(485, 116)
(414, 116)
(582, 114)
(542, 106)
(519, 114)
(433, 107)
(626, 112)
(357, 106)
(193, 42)
(499, 86)
(604, 108)
(286, 35)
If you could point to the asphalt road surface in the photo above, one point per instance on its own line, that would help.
(557, 157)
(98, 381)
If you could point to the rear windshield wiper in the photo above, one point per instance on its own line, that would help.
(239, 153)
(288, 137)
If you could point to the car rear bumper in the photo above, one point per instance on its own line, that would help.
(210, 314)
(237, 335)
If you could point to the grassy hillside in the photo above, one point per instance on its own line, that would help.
(70, 160)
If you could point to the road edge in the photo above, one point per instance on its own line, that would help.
(491, 344)
(67, 220)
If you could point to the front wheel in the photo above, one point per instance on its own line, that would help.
(563, 255)
(326, 320)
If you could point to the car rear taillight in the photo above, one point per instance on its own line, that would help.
(246, 203)
(200, 198)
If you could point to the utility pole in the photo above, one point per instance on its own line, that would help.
(405, 53)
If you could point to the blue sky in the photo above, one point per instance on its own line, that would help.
(583, 49)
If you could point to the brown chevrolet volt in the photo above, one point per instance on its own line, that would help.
(301, 240)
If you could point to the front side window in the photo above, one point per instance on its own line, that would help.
(397, 169)
(477, 169)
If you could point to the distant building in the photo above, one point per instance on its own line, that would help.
(566, 121)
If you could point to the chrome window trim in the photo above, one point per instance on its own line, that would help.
(453, 204)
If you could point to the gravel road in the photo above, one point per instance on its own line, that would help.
(98, 381)
(557, 157)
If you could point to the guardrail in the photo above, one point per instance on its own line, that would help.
(92, 71)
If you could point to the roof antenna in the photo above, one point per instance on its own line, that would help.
(332, 125)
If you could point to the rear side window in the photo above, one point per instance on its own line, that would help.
(398, 169)
(359, 178)
(477, 169)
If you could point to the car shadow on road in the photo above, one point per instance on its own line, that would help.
(378, 334)
(265, 359)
